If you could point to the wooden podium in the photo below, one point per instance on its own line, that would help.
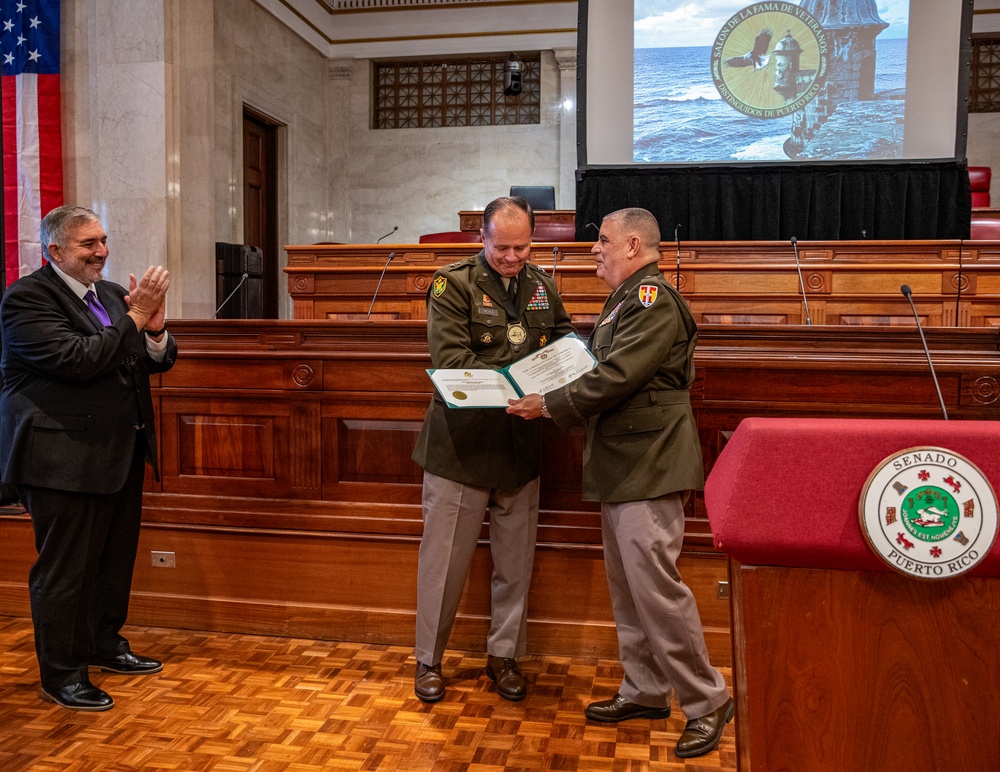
(840, 663)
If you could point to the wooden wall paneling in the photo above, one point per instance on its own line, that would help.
(854, 283)
(285, 449)
(817, 644)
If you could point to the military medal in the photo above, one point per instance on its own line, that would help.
(516, 334)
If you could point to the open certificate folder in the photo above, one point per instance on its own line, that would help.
(548, 368)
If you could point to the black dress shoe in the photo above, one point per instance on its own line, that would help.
(79, 696)
(428, 684)
(701, 735)
(510, 683)
(620, 709)
(130, 664)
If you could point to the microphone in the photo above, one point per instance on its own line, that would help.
(555, 257)
(394, 229)
(802, 284)
(229, 297)
(908, 293)
(677, 238)
(864, 233)
(592, 225)
(377, 286)
(958, 281)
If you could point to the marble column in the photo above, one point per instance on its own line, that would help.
(566, 59)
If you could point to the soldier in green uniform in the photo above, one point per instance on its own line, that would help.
(641, 458)
(483, 312)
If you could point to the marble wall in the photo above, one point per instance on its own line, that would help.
(154, 92)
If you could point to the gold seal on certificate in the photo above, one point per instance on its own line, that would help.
(516, 334)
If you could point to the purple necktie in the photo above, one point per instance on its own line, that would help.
(95, 305)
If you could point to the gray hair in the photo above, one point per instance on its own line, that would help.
(57, 225)
(639, 221)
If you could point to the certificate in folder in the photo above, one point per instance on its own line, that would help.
(550, 367)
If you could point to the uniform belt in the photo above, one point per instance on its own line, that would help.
(668, 397)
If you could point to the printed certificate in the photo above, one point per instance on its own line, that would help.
(550, 367)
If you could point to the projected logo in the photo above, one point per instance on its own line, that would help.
(929, 513)
(770, 59)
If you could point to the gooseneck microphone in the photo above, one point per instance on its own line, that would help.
(379, 285)
(592, 225)
(394, 229)
(555, 258)
(677, 239)
(908, 294)
(802, 284)
(958, 282)
(230, 295)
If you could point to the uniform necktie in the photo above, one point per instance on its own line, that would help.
(95, 305)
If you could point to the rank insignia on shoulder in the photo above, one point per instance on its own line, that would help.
(647, 294)
(440, 285)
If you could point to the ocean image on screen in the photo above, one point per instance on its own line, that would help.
(684, 111)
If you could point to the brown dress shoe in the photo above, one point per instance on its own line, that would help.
(620, 709)
(701, 735)
(509, 681)
(428, 684)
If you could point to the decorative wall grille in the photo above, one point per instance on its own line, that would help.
(454, 92)
(984, 82)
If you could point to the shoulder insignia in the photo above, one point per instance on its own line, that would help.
(440, 285)
(647, 294)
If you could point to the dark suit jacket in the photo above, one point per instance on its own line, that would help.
(73, 390)
(641, 440)
(468, 313)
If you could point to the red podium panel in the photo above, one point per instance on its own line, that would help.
(839, 662)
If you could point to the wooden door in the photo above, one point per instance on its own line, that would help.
(260, 201)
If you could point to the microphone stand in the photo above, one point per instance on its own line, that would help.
(223, 304)
(677, 238)
(802, 284)
(379, 285)
(555, 258)
(908, 294)
(394, 229)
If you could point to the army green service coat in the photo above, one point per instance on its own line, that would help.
(468, 314)
(641, 440)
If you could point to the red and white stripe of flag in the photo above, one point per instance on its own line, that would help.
(33, 176)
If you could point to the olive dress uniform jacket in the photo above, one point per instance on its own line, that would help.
(468, 317)
(641, 439)
(71, 398)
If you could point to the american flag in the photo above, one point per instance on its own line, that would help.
(32, 134)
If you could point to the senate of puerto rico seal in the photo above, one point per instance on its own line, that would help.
(929, 513)
(770, 59)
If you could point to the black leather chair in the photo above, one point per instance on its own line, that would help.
(539, 196)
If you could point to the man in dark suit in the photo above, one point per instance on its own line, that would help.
(76, 429)
(641, 458)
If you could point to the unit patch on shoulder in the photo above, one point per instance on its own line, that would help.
(647, 294)
(440, 285)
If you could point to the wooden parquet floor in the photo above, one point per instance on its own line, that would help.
(235, 703)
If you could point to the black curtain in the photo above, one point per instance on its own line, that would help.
(818, 202)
